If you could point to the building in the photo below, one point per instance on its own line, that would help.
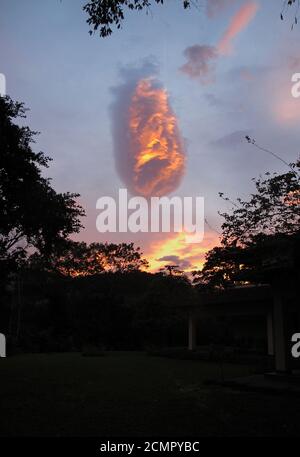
(263, 310)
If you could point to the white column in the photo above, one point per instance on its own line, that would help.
(192, 331)
(2, 345)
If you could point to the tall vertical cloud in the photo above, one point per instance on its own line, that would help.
(149, 151)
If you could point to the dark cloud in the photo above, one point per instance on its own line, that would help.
(182, 263)
(201, 59)
(200, 62)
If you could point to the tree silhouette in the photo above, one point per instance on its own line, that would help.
(33, 214)
(104, 14)
(273, 209)
(171, 270)
(82, 259)
(258, 235)
(288, 5)
(121, 258)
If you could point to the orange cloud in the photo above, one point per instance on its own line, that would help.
(175, 250)
(155, 146)
(148, 147)
(238, 23)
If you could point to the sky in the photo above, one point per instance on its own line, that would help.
(225, 67)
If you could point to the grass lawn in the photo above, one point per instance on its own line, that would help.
(133, 394)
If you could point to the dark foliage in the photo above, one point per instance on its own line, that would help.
(45, 311)
(103, 14)
(33, 215)
(260, 237)
(80, 259)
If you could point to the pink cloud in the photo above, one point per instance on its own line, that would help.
(238, 23)
(201, 59)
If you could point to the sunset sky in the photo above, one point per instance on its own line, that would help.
(226, 67)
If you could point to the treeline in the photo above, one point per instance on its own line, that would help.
(46, 311)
